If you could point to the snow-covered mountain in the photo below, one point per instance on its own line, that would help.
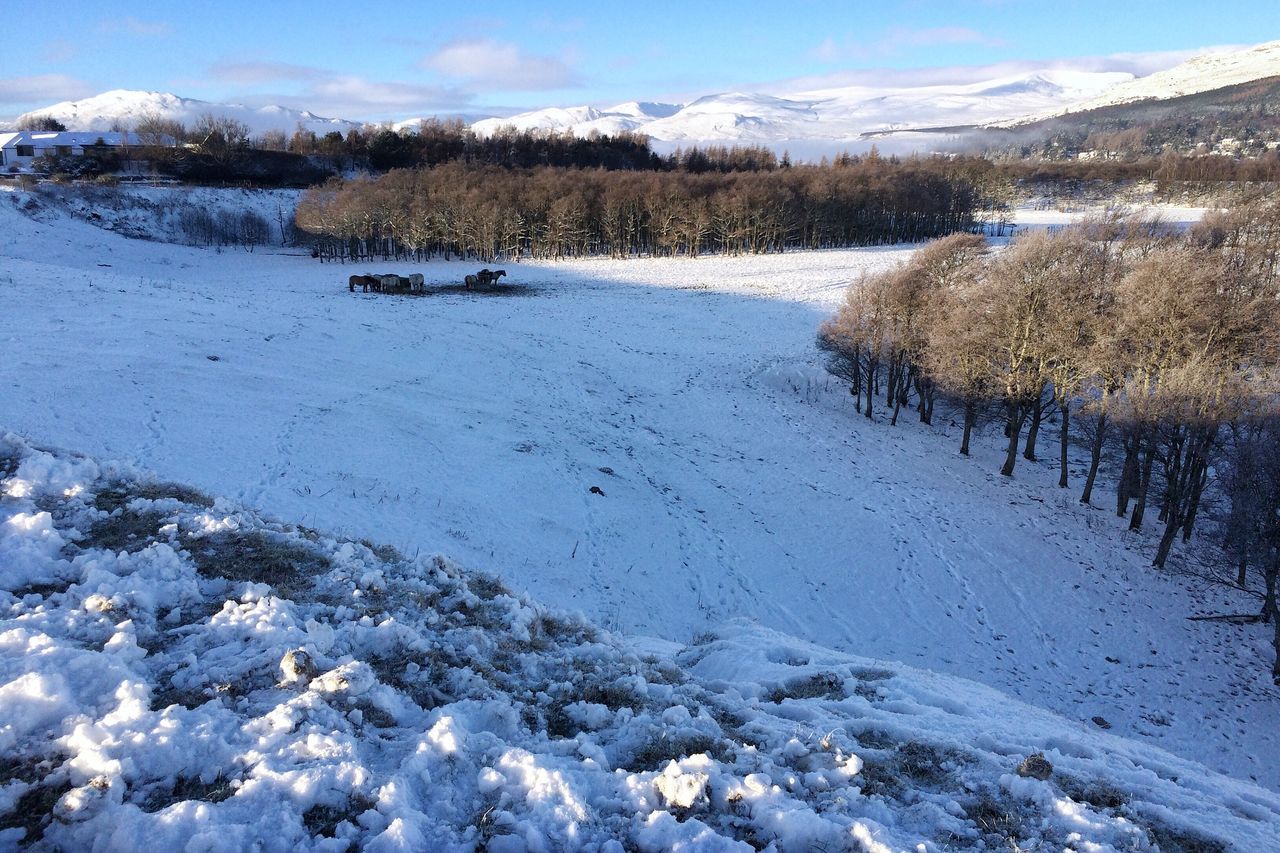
(123, 107)
(840, 115)
(835, 117)
(630, 116)
(1199, 74)
(803, 120)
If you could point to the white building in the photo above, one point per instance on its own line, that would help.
(20, 148)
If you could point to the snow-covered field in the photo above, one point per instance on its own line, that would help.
(182, 673)
(737, 481)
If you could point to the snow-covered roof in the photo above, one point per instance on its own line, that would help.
(50, 138)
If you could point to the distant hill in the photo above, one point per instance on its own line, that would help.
(821, 119)
(1023, 109)
(1226, 103)
(1241, 119)
(1208, 73)
(123, 108)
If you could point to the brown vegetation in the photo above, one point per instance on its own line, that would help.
(1166, 345)
(487, 213)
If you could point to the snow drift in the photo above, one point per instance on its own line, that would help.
(181, 671)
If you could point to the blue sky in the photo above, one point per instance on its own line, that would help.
(378, 60)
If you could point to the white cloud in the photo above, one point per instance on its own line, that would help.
(898, 39)
(137, 27)
(262, 72)
(1138, 64)
(42, 88)
(500, 65)
(374, 94)
(331, 93)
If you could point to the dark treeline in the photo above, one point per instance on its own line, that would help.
(221, 150)
(1161, 351)
(434, 142)
(488, 213)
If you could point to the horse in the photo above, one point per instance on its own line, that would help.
(365, 282)
(497, 274)
(390, 282)
(417, 282)
(471, 281)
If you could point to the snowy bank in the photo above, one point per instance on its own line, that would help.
(182, 672)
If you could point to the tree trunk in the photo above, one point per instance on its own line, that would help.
(890, 380)
(1201, 480)
(1017, 415)
(898, 397)
(1270, 614)
(1166, 538)
(1063, 438)
(1095, 459)
(1275, 667)
(872, 367)
(1269, 578)
(1144, 487)
(857, 380)
(1128, 474)
(926, 390)
(1037, 412)
(970, 416)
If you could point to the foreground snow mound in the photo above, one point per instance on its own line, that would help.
(180, 672)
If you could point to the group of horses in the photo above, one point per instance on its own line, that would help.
(415, 283)
(484, 278)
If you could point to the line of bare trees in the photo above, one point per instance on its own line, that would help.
(492, 213)
(1160, 350)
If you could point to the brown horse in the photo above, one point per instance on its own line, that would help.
(488, 277)
(365, 282)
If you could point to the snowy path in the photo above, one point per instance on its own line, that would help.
(742, 482)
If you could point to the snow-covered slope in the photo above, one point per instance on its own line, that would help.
(630, 116)
(739, 481)
(832, 115)
(804, 120)
(123, 107)
(1199, 74)
(179, 672)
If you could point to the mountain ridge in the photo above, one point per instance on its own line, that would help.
(907, 117)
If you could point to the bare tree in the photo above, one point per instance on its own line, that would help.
(221, 137)
(1251, 529)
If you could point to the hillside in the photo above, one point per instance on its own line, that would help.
(124, 107)
(833, 115)
(809, 122)
(740, 483)
(1205, 73)
(182, 670)
(1243, 118)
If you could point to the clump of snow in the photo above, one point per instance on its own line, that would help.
(142, 704)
